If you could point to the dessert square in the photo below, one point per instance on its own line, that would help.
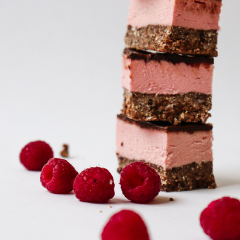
(166, 87)
(175, 26)
(182, 155)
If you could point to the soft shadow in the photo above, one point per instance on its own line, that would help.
(118, 201)
(157, 200)
(161, 200)
(65, 194)
(111, 202)
(227, 182)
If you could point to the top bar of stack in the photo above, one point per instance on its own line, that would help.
(174, 26)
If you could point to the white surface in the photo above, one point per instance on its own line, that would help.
(51, 88)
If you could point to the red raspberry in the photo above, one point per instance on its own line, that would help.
(35, 155)
(94, 185)
(57, 176)
(221, 219)
(125, 225)
(139, 182)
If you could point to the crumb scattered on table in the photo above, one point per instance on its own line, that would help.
(171, 199)
(110, 206)
(100, 211)
(64, 152)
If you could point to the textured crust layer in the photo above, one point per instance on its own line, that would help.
(177, 108)
(172, 39)
(188, 177)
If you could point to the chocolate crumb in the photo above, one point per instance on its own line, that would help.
(64, 152)
(122, 144)
(171, 199)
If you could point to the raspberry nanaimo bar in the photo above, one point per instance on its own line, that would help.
(166, 87)
(174, 26)
(182, 155)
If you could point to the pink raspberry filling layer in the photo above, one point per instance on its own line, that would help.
(165, 149)
(197, 14)
(164, 77)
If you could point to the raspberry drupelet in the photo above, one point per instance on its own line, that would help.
(57, 176)
(221, 219)
(139, 182)
(126, 225)
(94, 185)
(35, 155)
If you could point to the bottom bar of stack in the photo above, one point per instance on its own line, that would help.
(182, 155)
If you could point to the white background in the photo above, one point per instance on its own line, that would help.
(60, 70)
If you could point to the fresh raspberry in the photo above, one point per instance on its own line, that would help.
(94, 185)
(35, 155)
(139, 182)
(221, 219)
(125, 225)
(57, 176)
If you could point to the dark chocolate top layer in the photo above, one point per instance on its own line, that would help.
(173, 58)
(168, 127)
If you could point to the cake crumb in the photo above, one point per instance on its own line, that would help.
(64, 152)
(171, 199)
(100, 211)
(110, 206)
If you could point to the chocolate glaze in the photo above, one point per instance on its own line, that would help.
(168, 127)
(173, 58)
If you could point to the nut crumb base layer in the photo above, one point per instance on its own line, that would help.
(172, 39)
(177, 108)
(188, 177)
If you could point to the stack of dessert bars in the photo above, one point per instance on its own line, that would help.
(167, 80)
